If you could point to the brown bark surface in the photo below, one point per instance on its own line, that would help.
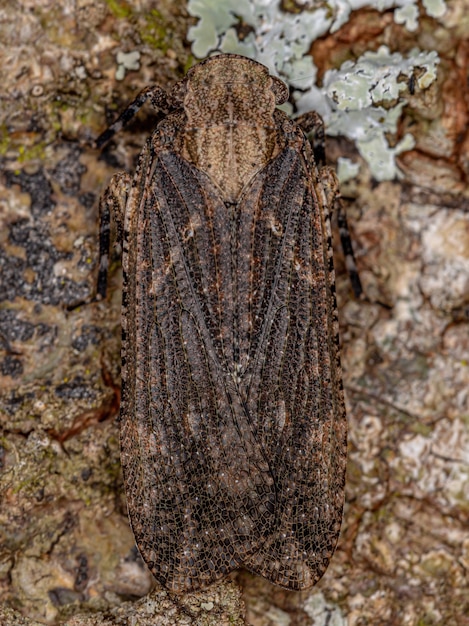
(66, 549)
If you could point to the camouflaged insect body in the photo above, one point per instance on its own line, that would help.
(233, 428)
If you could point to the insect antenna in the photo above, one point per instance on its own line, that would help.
(159, 100)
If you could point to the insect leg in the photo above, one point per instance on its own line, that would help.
(313, 127)
(111, 208)
(159, 100)
(347, 248)
(330, 184)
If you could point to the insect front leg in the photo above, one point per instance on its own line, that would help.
(159, 100)
(330, 184)
(313, 126)
(111, 209)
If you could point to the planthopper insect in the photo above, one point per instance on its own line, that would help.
(233, 426)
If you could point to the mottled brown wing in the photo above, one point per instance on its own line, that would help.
(292, 382)
(200, 492)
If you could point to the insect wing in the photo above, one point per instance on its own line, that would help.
(200, 492)
(293, 385)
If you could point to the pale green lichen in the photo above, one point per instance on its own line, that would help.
(362, 100)
(127, 61)
(434, 8)
(355, 103)
(346, 169)
(279, 40)
(407, 15)
(381, 157)
(323, 612)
